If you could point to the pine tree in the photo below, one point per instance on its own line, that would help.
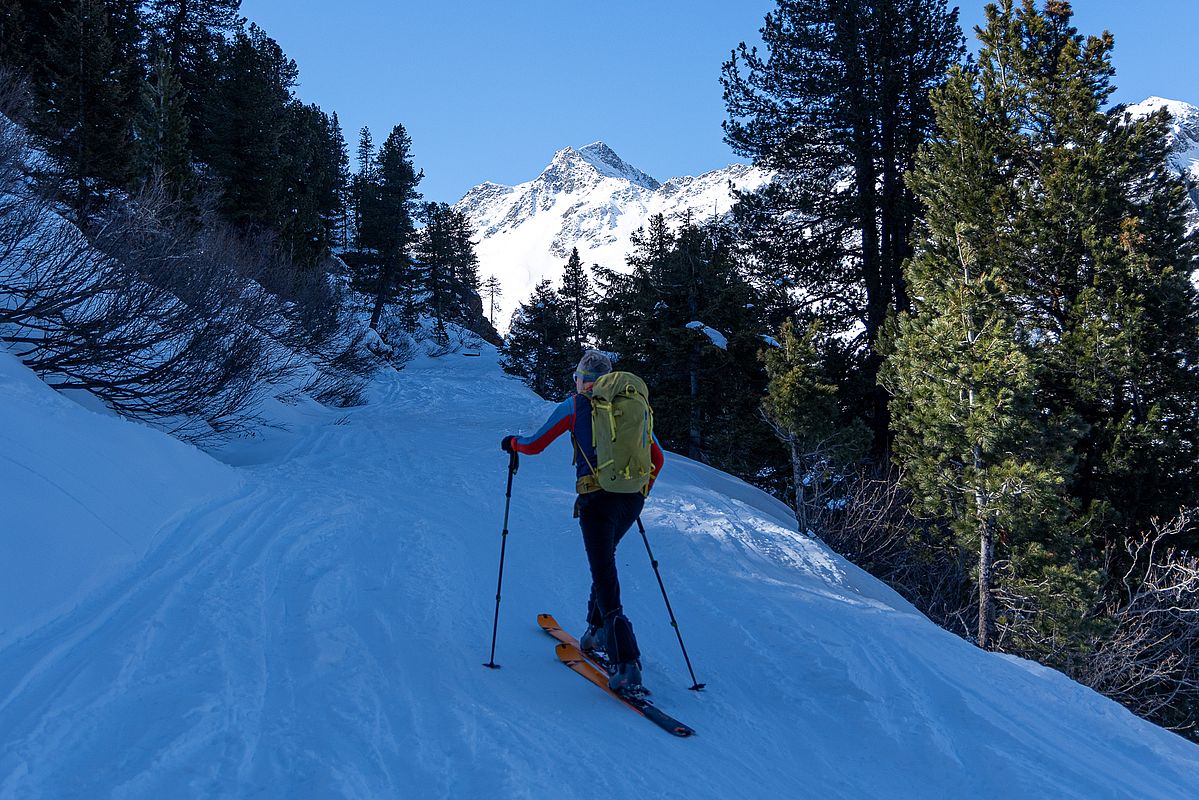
(161, 129)
(802, 405)
(31, 25)
(86, 113)
(192, 35)
(310, 182)
(13, 27)
(973, 444)
(538, 348)
(344, 219)
(252, 110)
(388, 225)
(492, 291)
(126, 29)
(837, 109)
(576, 291)
(445, 254)
(705, 395)
(1046, 383)
(363, 182)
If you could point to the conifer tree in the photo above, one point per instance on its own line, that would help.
(161, 129)
(837, 109)
(705, 394)
(802, 405)
(310, 181)
(126, 29)
(538, 348)
(363, 182)
(12, 35)
(576, 291)
(388, 225)
(344, 221)
(1046, 383)
(85, 118)
(192, 35)
(445, 256)
(492, 291)
(251, 111)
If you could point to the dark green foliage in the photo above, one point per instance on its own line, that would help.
(12, 34)
(161, 129)
(1046, 384)
(343, 220)
(312, 184)
(803, 407)
(448, 267)
(492, 291)
(192, 34)
(388, 200)
(363, 180)
(278, 163)
(85, 109)
(705, 397)
(837, 108)
(580, 299)
(538, 348)
(250, 109)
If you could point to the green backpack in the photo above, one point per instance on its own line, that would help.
(622, 429)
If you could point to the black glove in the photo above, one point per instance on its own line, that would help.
(506, 444)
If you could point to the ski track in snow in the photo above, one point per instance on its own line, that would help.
(319, 633)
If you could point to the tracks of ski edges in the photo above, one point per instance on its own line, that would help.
(572, 655)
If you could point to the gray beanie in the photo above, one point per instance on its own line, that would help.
(592, 365)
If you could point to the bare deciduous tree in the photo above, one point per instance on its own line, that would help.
(1150, 661)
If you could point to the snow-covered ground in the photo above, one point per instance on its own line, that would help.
(309, 620)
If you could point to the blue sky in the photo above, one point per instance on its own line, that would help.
(489, 90)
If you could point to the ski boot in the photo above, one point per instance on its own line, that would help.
(594, 641)
(626, 680)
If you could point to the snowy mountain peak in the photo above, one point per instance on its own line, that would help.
(572, 170)
(589, 198)
(605, 160)
(1182, 112)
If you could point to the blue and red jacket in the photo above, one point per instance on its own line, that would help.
(574, 415)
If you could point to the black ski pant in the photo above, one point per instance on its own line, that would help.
(605, 517)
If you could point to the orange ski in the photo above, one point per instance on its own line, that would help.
(573, 657)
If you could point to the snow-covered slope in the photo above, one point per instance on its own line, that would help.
(588, 198)
(317, 629)
(83, 496)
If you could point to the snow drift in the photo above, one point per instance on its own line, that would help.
(312, 623)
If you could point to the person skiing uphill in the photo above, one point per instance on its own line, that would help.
(605, 515)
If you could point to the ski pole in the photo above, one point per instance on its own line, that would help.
(695, 685)
(513, 463)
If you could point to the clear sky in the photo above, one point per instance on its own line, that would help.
(488, 90)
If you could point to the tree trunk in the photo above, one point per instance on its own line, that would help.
(986, 557)
(801, 500)
(986, 603)
(380, 299)
(693, 446)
